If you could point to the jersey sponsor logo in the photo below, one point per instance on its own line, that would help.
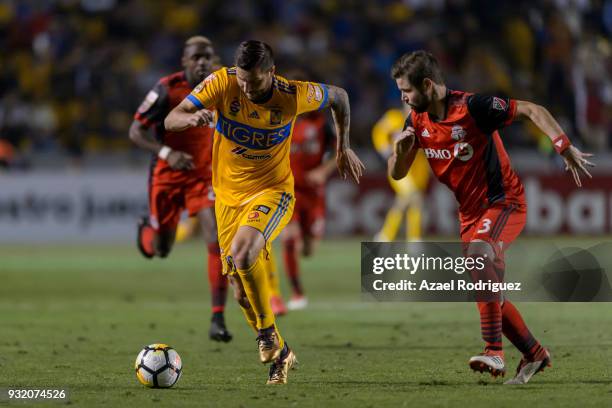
(251, 137)
(443, 154)
(253, 215)
(314, 92)
(499, 104)
(234, 107)
(254, 115)
(457, 132)
(276, 116)
(208, 79)
(239, 150)
(149, 100)
(257, 156)
(463, 151)
(425, 133)
(262, 208)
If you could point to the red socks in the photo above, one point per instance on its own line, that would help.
(292, 267)
(491, 326)
(218, 282)
(516, 331)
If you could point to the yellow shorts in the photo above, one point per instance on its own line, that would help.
(269, 213)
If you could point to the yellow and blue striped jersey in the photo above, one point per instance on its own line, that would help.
(251, 141)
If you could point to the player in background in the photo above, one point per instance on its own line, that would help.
(409, 191)
(276, 298)
(180, 173)
(458, 132)
(256, 111)
(313, 139)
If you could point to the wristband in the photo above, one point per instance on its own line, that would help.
(164, 152)
(561, 143)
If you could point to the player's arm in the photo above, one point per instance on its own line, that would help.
(139, 134)
(151, 112)
(347, 161)
(193, 111)
(177, 160)
(404, 152)
(187, 115)
(575, 160)
(320, 174)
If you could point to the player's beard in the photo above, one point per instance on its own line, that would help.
(261, 97)
(420, 104)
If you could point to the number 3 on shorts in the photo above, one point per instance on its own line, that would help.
(486, 226)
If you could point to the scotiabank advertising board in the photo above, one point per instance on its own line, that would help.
(105, 206)
(555, 206)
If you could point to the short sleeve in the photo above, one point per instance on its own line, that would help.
(491, 112)
(208, 94)
(154, 107)
(311, 96)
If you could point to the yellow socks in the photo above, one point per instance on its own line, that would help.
(270, 265)
(413, 224)
(255, 282)
(391, 225)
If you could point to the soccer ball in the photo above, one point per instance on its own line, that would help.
(158, 366)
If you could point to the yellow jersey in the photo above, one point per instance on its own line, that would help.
(252, 141)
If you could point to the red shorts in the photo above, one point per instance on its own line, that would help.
(169, 196)
(499, 225)
(309, 213)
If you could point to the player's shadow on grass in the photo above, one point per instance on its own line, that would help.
(386, 383)
(393, 347)
(542, 382)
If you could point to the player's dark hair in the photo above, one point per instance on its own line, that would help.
(254, 54)
(417, 66)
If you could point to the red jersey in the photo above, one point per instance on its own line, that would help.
(466, 153)
(165, 95)
(311, 139)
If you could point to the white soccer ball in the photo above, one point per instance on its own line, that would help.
(158, 366)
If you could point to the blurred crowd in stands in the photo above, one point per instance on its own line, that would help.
(72, 72)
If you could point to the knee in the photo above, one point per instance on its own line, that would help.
(244, 254)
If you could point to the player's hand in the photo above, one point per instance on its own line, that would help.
(201, 118)
(239, 292)
(178, 160)
(349, 164)
(576, 162)
(405, 142)
(316, 176)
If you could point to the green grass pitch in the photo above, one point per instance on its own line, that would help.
(77, 316)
